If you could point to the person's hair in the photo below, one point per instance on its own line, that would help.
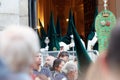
(69, 66)
(56, 63)
(63, 54)
(75, 59)
(113, 52)
(18, 45)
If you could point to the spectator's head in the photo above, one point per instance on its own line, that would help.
(113, 52)
(58, 65)
(49, 61)
(64, 56)
(38, 59)
(18, 45)
(70, 69)
(75, 60)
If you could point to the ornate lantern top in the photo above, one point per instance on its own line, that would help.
(105, 4)
(47, 40)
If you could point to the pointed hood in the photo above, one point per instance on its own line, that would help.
(42, 30)
(74, 19)
(51, 29)
(67, 38)
(58, 29)
(43, 35)
(92, 30)
(82, 55)
(54, 44)
(69, 30)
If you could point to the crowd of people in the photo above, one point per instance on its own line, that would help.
(21, 59)
(59, 68)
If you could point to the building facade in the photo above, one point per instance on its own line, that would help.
(27, 12)
(13, 12)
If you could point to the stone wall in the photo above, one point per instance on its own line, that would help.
(13, 12)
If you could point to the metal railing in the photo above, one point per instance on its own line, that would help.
(93, 54)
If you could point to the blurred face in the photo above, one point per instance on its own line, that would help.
(60, 66)
(65, 58)
(48, 61)
(73, 74)
(38, 59)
